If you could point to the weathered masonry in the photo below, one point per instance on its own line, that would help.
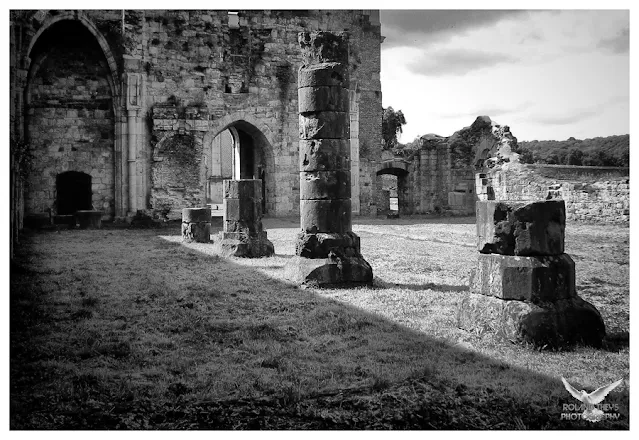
(128, 111)
(439, 177)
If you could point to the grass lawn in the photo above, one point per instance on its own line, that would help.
(131, 328)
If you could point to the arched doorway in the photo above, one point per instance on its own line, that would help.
(242, 149)
(73, 192)
(220, 165)
(69, 116)
(394, 184)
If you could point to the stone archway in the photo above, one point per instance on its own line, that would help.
(401, 191)
(253, 154)
(70, 107)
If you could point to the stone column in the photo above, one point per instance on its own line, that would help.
(133, 106)
(328, 252)
(132, 160)
(523, 286)
(196, 225)
(243, 235)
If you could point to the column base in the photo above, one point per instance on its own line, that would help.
(199, 232)
(555, 324)
(236, 244)
(332, 271)
(535, 279)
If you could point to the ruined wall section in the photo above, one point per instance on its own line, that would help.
(365, 59)
(70, 122)
(249, 72)
(441, 174)
(194, 58)
(595, 194)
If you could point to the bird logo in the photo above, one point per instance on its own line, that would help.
(591, 413)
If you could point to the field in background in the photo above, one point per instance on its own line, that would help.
(118, 328)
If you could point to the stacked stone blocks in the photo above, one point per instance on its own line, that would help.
(242, 234)
(523, 287)
(327, 249)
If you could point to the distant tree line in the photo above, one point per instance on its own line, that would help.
(611, 151)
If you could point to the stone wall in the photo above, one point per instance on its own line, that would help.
(596, 194)
(213, 69)
(70, 121)
(439, 178)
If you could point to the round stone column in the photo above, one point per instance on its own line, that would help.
(328, 252)
(196, 225)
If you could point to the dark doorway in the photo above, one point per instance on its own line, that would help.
(247, 156)
(73, 192)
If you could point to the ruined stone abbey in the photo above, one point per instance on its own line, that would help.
(128, 111)
(149, 111)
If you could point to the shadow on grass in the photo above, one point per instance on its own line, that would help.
(427, 398)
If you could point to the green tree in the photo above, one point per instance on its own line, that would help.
(575, 157)
(526, 156)
(392, 122)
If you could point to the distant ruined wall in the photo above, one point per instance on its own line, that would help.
(594, 194)
(439, 178)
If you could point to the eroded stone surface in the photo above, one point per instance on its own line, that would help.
(325, 216)
(196, 232)
(242, 234)
(320, 47)
(324, 98)
(324, 125)
(521, 228)
(194, 215)
(245, 209)
(327, 272)
(325, 154)
(196, 225)
(242, 188)
(321, 245)
(323, 74)
(236, 244)
(325, 185)
(536, 279)
(558, 323)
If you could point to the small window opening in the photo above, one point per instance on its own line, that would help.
(234, 20)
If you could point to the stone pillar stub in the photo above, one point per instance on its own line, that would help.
(328, 252)
(521, 228)
(196, 225)
(242, 234)
(535, 279)
(523, 286)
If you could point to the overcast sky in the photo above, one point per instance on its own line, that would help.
(546, 74)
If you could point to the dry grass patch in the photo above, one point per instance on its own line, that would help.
(134, 329)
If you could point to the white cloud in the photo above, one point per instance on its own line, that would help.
(546, 74)
(456, 62)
